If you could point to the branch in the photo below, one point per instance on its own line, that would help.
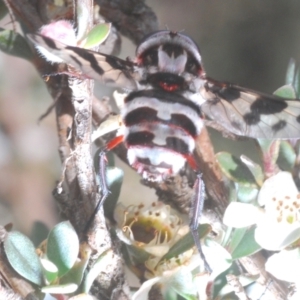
(133, 18)
(79, 195)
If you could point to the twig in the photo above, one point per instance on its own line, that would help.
(237, 287)
(133, 18)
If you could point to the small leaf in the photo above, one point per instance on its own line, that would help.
(75, 275)
(38, 233)
(112, 123)
(3, 9)
(136, 255)
(114, 178)
(63, 247)
(270, 152)
(50, 270)
(247, 245)
(220, 281)
(186, 242)
(14, 44)
(83, 15)
(21, 255)
(290, 72)
(236, 238)
(246, 193)
(235, 169)
(96, 269)
(97, 35)
(286, 92)
(292, 77)
(254, 168)
(297, 84)
(287, 156)
(60, 289)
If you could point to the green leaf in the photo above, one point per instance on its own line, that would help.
(95, 270)
(287, 156)
(297, 84)
(38, 233)
(21, 255)
(246, 193)
(50, 270)
(170, 295)
(3, 10)
(236, 238)
(97, 35)
(14, 44)
(83, 15)
(235, 169)
(270, 152)
(75, 275)
(111, 123)
(114, 178)
(254, 168)
(63, 247)
(292, 77)
(247, 245)
(136, 255)
(186, 242)
(220, 281)
(60, 289)
(290, 72)
(286, 92)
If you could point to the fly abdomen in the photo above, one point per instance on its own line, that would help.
(160, 128)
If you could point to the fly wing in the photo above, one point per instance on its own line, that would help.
(107, 69)
(249, 113)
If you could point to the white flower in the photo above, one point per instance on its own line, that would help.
(154, 227)
(174, 276)
(181, 274)
(278, 223)
(285, 265)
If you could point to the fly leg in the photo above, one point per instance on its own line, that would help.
(102, 177)
(195, 213)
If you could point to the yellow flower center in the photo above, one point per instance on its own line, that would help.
(145, 229)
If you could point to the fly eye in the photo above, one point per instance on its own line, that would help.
(192, 66)
(150, 57)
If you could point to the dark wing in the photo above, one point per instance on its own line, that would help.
(107, 69)
(249, 113)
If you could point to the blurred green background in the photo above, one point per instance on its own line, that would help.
(248, 42)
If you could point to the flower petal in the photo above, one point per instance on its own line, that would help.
(279, 186)
(275, 236)
(142, 293)
(217, 256)
(285, 265)
(241, 215)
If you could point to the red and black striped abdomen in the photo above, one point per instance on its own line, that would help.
(160, 128)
